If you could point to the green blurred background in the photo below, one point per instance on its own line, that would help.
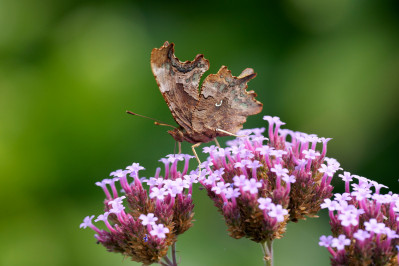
(69, 69)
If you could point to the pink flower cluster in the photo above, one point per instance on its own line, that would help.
(259, 187)
(150, 223)
(365, 224)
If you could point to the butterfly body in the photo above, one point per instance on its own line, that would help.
(222, 103)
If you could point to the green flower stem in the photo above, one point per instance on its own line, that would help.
(167, 260)
(174, 254)
(267, 248)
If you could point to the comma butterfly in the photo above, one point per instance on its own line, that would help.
(219, 108)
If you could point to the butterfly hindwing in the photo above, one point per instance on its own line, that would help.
(224, 103)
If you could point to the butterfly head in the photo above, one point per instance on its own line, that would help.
(178, 134)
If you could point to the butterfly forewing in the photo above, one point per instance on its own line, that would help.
(178, 82)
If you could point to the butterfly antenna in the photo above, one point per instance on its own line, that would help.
(157, 122)
(196, 156)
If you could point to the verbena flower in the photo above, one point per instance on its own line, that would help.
(259, 187)
(151, 220)
(364, 224)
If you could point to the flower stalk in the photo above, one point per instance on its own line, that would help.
(267, 248)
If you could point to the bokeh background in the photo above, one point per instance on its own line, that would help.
(69, 69)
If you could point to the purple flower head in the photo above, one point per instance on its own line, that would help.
(252, 186)
(254, 164)
(277, 211)
(102, 217)
(259, 139)
(119, 173)
(270, 175)
(361, 235)
(378, 198)
(87, 222)
(232, 193)
(373, 226)
(191, 178)
(265, 150)
(239, 181)
(181, 183)
(312, 138)
(333, 163)
(115, 203)
(278, 153)
(174, 190)
(159, 230)
(134, 168)
(362, 180)
(378, 186)
(164, 160)
(239, 164)
(265, 203)
(330, 205)
(361, 192)
(348, 218)
(246, 154)
(328, 170)
(340, 242)
(220, 187)
(363, 223)
(212, 179)
(310, 154)
(103, 184)
(158, 193)
(218, 172)
(155, 181)
(148, 219)
(289, 178)
(131, 219)
(342, 197)
(175, 157)
(209, 149)
(325, 241)
(391, 234)
(346, 177)
(199, 175)
(273, 120)
(279, 170)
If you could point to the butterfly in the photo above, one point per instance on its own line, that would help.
(219, 108)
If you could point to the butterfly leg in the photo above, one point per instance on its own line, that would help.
(195, 153)
(196, 156)
(178, 147)
(217, 143)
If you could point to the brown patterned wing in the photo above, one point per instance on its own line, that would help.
(224, 103)
(178, 82)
